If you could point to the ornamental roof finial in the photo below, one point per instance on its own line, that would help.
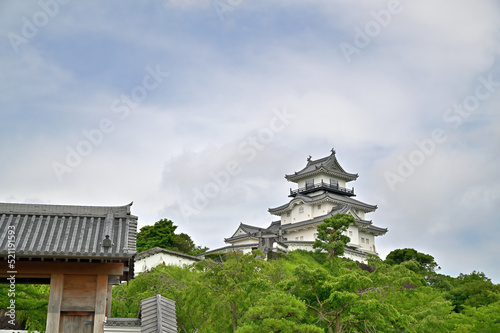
(333, 151)
(309, 158)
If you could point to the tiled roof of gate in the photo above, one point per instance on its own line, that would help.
(59, 231)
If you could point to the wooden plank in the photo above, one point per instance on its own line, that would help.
(78, 280)
(78, 304)
(80, 285)
(79, 293)
(100, 303)
(109, 297)
(55, 299)
(44, 269)
(83, 293)
(73, 323)
(76, 313)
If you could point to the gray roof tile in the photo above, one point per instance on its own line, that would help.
(122, 322)
(327, 164)
(158, 315)
(320, 197)
(156, 250)
(69, 231)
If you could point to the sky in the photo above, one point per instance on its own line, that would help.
(196, 109)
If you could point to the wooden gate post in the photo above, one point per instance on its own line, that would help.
(55, 299)
(100, 303)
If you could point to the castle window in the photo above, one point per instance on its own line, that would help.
(296, 238)
(350, 233)
(301, 209)
(367, 241)
(301, 237)
(319, 206)
(362, 240)
(288, 214)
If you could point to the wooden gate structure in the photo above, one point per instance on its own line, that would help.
(80, 250)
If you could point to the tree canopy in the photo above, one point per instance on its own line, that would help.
(331, 236)
(426, 261)
(304, 292)
(162, 234)
(300, 292)
(426, 265)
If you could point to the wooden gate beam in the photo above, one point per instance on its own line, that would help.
(44, 269)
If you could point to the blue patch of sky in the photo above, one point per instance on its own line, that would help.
(297, 27)
(20, 126)
(473, 235)
(101, 58)
(92, 57)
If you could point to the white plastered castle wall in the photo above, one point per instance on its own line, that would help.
(322, 208)
(321, 177)
(358, 238)
(305, 235)
(245, 241)
(366, 241)
(156, 259)
(304, 211)
(362, 239)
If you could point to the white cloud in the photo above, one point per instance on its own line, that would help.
(188, 4)
(225, 81)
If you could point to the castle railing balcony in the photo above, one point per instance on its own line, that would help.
(335, 188)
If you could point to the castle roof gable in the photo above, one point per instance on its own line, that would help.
(328, 165)
(326, 196)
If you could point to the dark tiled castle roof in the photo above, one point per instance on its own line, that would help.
(57, 231)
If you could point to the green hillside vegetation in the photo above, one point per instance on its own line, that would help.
(306, 292)
(303, 292)
(300, 292)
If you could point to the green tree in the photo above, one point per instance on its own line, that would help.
(276, 312)
(196, 310)
(160, 234)
(331, 236)
(426, 265)
(237, 283)
(31, 304)
(416, 307)
(483, 319)
(473, 290)
(183, 243)
(305, 292)
(329, 297)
